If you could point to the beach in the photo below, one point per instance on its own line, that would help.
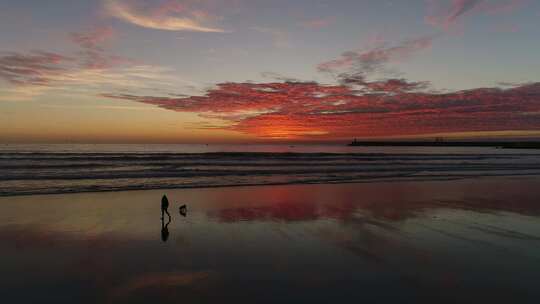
(443, 241)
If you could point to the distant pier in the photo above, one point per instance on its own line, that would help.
(441, 143)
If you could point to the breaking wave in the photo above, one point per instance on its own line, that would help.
(25, 173)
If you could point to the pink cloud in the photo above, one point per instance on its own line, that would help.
(378, 56)
(92, 51)
(35, 72)
(354, 67)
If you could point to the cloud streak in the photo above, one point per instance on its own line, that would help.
(33, 68)
(170, 16)
(446, 15)
(460, 7)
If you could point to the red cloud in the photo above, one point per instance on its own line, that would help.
(313, 111)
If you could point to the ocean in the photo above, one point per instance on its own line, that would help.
(73, 168)
(375, 225)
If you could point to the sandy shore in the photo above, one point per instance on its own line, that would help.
(473, 240)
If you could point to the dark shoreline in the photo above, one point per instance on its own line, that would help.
(494, 144)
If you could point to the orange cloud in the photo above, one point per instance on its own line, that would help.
(170, 16)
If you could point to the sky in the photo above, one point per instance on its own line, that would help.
(242, 71)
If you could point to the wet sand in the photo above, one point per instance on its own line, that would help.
(468, 241)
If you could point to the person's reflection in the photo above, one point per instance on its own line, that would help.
(165, 229)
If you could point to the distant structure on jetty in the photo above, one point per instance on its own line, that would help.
(440, 142)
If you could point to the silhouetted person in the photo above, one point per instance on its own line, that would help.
(183, 210)
(165, 207)
(165, 229)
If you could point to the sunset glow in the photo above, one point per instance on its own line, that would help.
(223, 71)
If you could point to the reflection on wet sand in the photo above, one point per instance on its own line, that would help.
(160, 282)
(394, 206)
(165, 229)
(394, 242)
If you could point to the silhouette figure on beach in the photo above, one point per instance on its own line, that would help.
(165, 207)
(183, 210)
(165, 229)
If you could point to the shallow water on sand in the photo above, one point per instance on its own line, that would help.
(472, 240)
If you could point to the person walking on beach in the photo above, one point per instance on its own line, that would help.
(164, 207)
